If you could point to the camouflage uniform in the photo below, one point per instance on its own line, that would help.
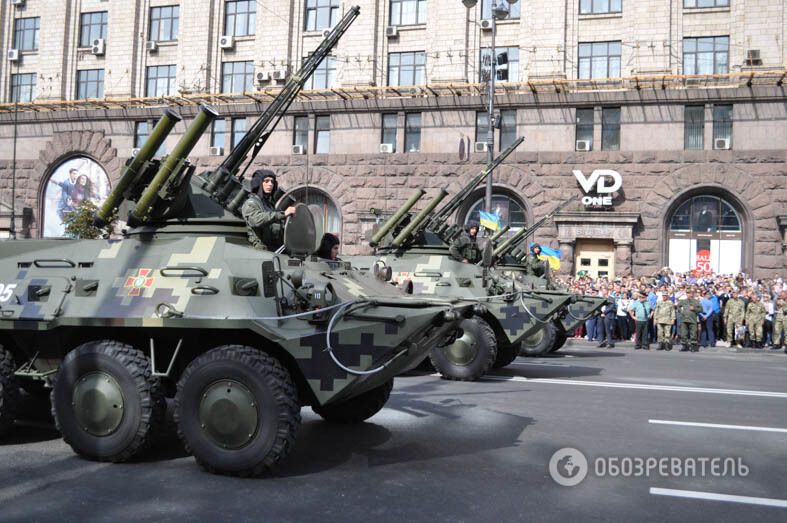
(533, 265)
(734, 312)
(778, 322)
(688, 310)
(264, 224)
(664, 317)
(755, 316)
(465, 248)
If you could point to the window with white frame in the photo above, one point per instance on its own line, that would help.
(90, 84)
(23, 87)
(161, 80)
(599, 60)
(597, 7)
(236, 77)
(321, 14)
(406, 68)
(240, 17)
(324, 76)
(706, 55)
(408, 12)
(164, 23)
(26, 33)
(514, 10)
(91, 27)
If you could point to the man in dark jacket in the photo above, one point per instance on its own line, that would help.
(265, 224)
(465, 248)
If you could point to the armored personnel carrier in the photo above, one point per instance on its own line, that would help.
(183, 306)
(415, 247)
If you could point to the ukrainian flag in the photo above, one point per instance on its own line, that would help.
(550, 255)
(489, 220)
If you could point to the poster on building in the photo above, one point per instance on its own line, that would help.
(73, 182)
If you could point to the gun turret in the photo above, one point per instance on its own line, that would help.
(396, 219)
(499, 234)
(508, 246)
(136, 167)
(413, 226)
(224, 184)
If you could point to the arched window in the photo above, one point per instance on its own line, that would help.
(74, 181)
(332, 218)
(705, 234)
(508, 207)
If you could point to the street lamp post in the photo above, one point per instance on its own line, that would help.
(500, 10)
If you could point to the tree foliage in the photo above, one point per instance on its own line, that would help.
(79, 223)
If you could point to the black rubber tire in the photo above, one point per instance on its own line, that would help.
(560, 339)
(357, 409)
(10, 398)
(483, 334)
(144, 409)
(540, 342)
(506, 354)
(275, 396)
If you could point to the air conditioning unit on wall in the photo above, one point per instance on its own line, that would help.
(486, 25)
(583, 145)
(98, 47)
(13, 55)
(391, 31)
(386, 148)
(151, 46)
(298, 149)
(721, 143)
(216, 151)
(481, 147)
(227, 42)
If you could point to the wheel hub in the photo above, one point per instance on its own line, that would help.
(534, 339)
(463, 351)
(228, 414)
(98, 403)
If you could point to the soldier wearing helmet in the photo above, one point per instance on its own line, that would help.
(532, 263)
(264, 223)
(465, 248)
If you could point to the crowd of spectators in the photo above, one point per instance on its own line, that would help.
(713, 291)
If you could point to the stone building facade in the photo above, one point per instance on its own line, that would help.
(655, 218)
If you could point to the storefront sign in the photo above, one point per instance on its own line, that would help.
(599, 186)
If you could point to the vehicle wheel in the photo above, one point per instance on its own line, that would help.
(539, 342)
(237, 410)
(357, 409)
(470, 356)
(106, 402)
(506, 354)
(560, 339)
(9, 391)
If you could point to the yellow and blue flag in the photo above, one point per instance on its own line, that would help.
(489, 220)
(550, 255)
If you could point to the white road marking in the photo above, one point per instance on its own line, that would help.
(539, 364)
(712, 496)
(637, 386)
(716, 426)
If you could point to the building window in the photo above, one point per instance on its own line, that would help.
(507, 67)
(164, 23)
(597, 7)
(322, 134)
(236, 77)
(688, 4)
(240, 18)
(412, 132)
(161, 80)
(238, 131)
(390, 126)
(507, 128)
(599, 60)
(406, 68)
(706, 55)
(218, 133)
(584, 130)
(332, 219)
(75, 181)
(722, 125)
(23, 87)
(694, 127)
(141, 135)
(408, 12)
(324, 76)
(513, 9)
(300, 135)
(610, 129)
(91, 27)
(706, 235)
(90, 84)
(321, 14)
(26, 33)
(510, 210)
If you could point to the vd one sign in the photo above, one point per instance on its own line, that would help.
(599, 186)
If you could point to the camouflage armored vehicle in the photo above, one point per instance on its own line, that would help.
(509, 256)
(184, 307)
(416, 249)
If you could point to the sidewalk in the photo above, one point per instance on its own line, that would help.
(721, 347)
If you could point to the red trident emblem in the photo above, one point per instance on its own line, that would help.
(135, 284)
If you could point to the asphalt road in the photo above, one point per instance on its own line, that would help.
(445, 451)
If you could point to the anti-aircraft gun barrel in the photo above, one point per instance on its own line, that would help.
(397, 217)
(499, 234)
(173, 164)
(132, 170)
(513, 240)
(509, 245)
(223, 183)
(419, 219)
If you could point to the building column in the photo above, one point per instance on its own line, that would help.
(623, 258)
(567, 256)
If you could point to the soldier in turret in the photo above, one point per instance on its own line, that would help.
(688, 310)
(532, 263)
(265, 224)
(734, 311)
(664, 318)
(465, 248)
(755, 317)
